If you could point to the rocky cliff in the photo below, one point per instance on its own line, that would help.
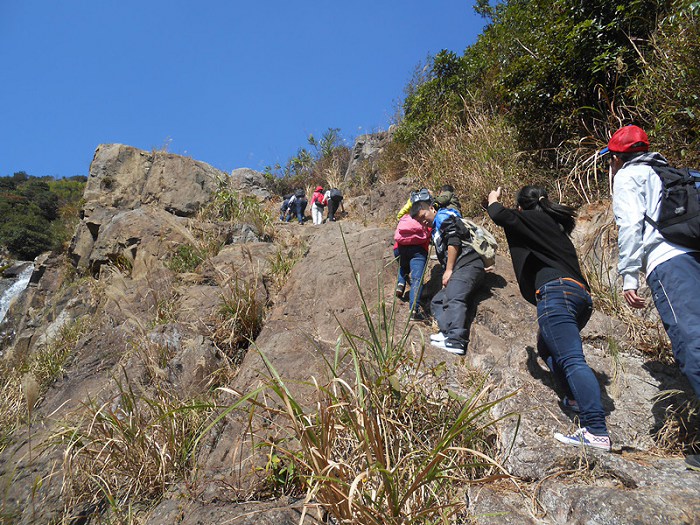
(160, 299)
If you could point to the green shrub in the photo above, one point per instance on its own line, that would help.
(186, 259)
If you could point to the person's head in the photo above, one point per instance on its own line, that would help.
(625, 144)
(319, 188)
(423, 212)
(447, 187)
(536, 198)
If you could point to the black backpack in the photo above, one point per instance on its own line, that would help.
(336, 194)
(299, 193)
(679, 213)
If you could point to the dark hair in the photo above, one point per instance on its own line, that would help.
(626, 157)
(447, 187)
(418, 206)
(535, 198)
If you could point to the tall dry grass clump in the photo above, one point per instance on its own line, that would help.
(129, 450)
(475, 154)
(229, 205)
(23, 380)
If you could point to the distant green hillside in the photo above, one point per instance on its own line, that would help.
(37, 213)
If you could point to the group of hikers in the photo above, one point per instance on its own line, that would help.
(549, 275)
(294, 205)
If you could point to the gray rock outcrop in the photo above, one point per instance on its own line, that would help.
(250, 182)
(365, 153)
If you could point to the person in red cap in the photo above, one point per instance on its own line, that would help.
(318, 204)
(672, 271)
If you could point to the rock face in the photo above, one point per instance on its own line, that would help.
(365, 153)
(159, 327)
(250, 182)
(123, 177)
(133, 197)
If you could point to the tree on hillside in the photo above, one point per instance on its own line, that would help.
(323, 163)
(551, 65)
(33, 217)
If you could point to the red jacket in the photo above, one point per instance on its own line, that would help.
(318, 197)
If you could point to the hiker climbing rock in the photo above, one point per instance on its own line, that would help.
(334, 197)
(672, 271)
(318, 204)
(549, 275)
(463, 272)
(412, 241)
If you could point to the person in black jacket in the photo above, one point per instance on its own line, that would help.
(548, 273)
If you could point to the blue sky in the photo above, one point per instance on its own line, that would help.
(234, 84)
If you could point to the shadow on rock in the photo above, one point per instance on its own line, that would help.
(676, 410)
(544, 376)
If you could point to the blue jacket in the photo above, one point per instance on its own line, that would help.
(448, 230)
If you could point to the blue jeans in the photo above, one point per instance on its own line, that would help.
(675, 285)
(412, 261)
(563, 309)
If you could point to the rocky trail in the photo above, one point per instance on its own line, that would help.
(140, 207)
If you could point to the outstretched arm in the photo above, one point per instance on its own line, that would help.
(494, 195)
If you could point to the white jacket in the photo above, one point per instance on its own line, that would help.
(636, 191)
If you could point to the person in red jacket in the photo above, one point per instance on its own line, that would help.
(318, 204)
(412, 241)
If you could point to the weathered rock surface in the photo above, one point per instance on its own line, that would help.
(250, 182)
(365, 153)
(132, 197)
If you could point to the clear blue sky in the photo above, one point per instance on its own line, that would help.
(231, 83)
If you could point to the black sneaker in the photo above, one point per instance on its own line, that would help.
(400, 288)
(692, 462)
(418, 316)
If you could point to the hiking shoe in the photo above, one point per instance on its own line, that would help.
(438, 337)
(692, 462)
(583, 438)
(400, 288)
(453, 348)
(418, 316)
(570, 404)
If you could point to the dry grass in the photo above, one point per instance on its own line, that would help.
(239, 319)
(287, 255)
(231, 206)
(680, 431)
(23, 380)
(128, 450)
(475, 156)
(599, 266)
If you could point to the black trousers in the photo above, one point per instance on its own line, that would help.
(333, 205)
(450, 306)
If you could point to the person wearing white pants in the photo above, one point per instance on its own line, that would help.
(318, 204)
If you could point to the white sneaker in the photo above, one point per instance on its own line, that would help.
(583, 438)
(438, 337)
(453, 348)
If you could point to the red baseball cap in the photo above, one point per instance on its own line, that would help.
(630, 139)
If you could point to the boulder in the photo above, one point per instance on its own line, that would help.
(124, 177)
(250, 182)
(365, 154)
